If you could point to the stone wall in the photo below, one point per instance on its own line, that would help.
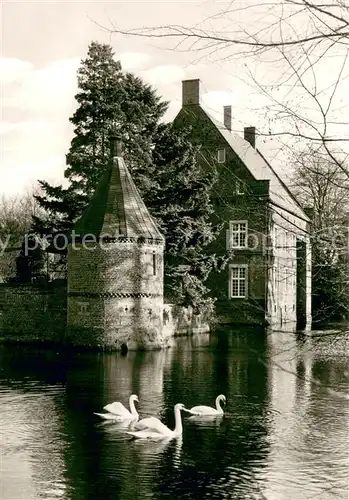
(115, 295)
(33, 312)
(181, 321)
(272, 267)
(289, 283)
(230, 205)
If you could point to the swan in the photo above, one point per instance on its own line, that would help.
(153, 428)
(118, 412)
(208, 410)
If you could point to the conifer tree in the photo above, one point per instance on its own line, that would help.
(162, 162)
(109, 100)
(180, 201)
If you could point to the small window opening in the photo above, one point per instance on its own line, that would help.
(154, 264)
(221, 155)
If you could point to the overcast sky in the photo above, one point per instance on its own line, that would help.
(42, 45)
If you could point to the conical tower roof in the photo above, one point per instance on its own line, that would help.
(116, 209)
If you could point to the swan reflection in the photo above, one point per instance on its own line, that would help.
(150, 449)
(206, 420)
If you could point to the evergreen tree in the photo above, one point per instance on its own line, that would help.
(162, 162)
(109, 100)
(180, 201)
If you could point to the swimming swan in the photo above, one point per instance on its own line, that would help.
(208, 410)
(153, 428)
(118, 412)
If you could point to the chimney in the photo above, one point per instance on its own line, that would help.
(250, 135)
(227, 117)
(115, 146)
(191, 92)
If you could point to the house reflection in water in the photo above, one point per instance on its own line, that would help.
(304, 424)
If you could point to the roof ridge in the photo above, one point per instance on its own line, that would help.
(228, 136)
(282, 182)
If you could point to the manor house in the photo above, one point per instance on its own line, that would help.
(268, 279)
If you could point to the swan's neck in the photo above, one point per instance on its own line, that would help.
(132, 407)
(218, 404)
(178, 422)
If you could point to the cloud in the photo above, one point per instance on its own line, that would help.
(215, 101)
(13, 70)
(133, 60)
(32, 150)
(48, 89)
(23, 174)
(163, 75)
(29, 126)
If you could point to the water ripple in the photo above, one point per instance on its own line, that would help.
(281, 437)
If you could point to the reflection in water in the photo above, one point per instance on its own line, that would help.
(283, 435)
(312, 426)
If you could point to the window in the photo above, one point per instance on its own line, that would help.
(154, 264)
(238, 281)
(238, 234)
(83, 307)
(221, 155)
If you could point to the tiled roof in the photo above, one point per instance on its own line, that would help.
(260, 169)
(116, 208)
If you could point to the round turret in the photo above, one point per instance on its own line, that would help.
(115, 268)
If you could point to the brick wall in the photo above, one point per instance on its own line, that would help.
(228, 206)
(272, 292)
(115, 296)
(29, 312)
(33, 315)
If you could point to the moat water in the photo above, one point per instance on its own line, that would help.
(284, 435)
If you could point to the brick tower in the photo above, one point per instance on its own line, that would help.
(115, 267)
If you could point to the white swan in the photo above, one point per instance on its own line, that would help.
(153, 428)
(118, 412)
(208, 410)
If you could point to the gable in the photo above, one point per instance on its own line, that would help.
(250, 157)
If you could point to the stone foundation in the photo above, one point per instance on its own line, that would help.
(30, 312)
(39, 315)
(178, 321)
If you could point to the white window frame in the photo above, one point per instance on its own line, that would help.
(231, 243)
(245, 279)
(221, 158)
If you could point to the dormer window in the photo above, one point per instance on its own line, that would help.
(221, 155)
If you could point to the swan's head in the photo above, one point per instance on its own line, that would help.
(221, 397)
(179, 406)
(133, 397)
